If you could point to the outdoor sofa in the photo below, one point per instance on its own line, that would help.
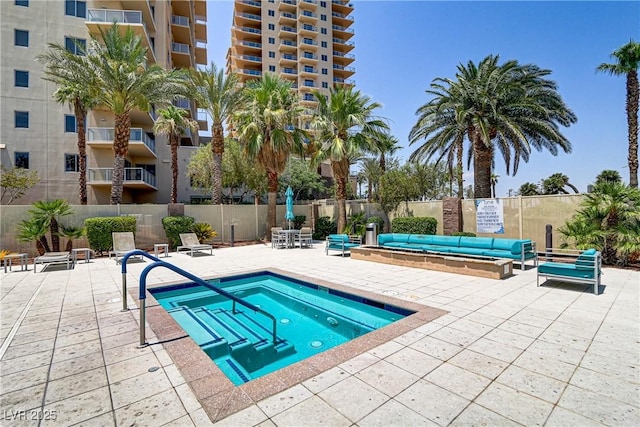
(341, 243)
(515, 249)
(584, 267)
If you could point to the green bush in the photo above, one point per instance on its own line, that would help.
(324, 227)
(464, 234)
(204, 231)
(174, 225)
(298, 220)
(355, 224)
(414, 225)
(99, 230)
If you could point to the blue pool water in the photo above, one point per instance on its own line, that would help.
(310, 319)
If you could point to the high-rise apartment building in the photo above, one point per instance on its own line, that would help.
(304, 41)
(39, 134)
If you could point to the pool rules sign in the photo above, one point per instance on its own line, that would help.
(489, 216)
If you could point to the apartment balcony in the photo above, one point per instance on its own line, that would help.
(247, 72)
(102, 19)
(308, 4)
(288, 45)
(307, 30)
(288, 5)
(144, 7)
(247, 30)
(247, 6)
(308, 16)
(343, 7)
(180, 29)
(308, 99)
(200, 7)
(341, 19)
(201, 52)
(342, 71)
(136, 178)
(288, 29)
(185, 104)
(183, 8)
(342, 45)
(289, 71)
(181, 55)
(141, 145)
(288, 58)
(308, 71)
(309, 58)
(201, 31)
(287, 18)
(246, 46)
(244, 60)
(307, 43)
(342, 32)
(343, 58)
(246, 19)
(348, 82)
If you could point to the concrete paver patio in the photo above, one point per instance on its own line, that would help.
(507, 353)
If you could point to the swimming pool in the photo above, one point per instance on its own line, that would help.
(310, 319)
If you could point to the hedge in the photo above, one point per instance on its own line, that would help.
(414, 225)
(99, 230)
(174, 225)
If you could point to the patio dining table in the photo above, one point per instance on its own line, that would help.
(290, 237)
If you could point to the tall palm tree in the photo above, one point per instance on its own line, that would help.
(124, 81)
(627, 62)
(265, 126)
(173, 122)
(345, 124)
(608, 175)
(385, 145)
(440, 124)
(74, 80)
(371, 172)
(220, 96)
(494, 181)
(528, 189)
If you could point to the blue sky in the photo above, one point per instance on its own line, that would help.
(401, 46)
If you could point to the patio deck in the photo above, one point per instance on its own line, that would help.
(507, 353)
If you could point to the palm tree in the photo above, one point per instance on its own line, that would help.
(371, 172)
(71, 232)
(48, 213)
(528, 189)
(265, 125)
(627, 62)
(173, 122)
(220, 96)
(345, 126)
(74, 81)
(123, 81)
(34, 230)
(508, 108)
(555, 184)
(385, 145)
(608, 175)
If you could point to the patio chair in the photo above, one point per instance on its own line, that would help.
(305, 238)
(123, 243)
(52, 258)
(278, 240)
(191, 244)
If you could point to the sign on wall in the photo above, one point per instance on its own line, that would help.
(489, 216)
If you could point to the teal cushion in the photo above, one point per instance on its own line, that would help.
(421, 239)
(394, 245)
(502, 244)
(384, 238)
(586, 260)
(467, 251)
(435, 248)
(338, 237)
(560, 269)
(445, 240)
(476, 242)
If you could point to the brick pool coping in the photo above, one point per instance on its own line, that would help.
(220, 398)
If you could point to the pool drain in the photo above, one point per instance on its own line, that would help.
(316, 344)
(284, 321)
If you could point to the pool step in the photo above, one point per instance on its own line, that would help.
(199, 331)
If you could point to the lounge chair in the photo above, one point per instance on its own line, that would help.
(123, 243)
(305, 237)
(342, 243)
(191, 244)
(572, 266)
(53, 258)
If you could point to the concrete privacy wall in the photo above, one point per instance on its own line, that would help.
(524, 217)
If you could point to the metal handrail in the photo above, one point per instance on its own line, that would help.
(158, 263)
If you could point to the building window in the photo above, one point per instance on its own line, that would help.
(323, 57)
(272, 40)
(75, 8)
(272, 68)
(323, 30)
(272, 27)
(21, 38)
(69, 123)
(24, 3)
(272, 54)
(271, 12)
(323, 17)
(325, 71)
(21, 78)
(325, 85)
(21, 160)
(308, 82)
(323, 44)
(75, 46)
(21, 119)
(71, 163)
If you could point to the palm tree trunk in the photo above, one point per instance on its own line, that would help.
(341, 174)
(120, 148)
(173, 140)
(42, 242)
(482, 157)
(55, 236)
(459, 154)
(272, 177)
(40, 247)
(217, 148)
(632, 122)
(80, 114)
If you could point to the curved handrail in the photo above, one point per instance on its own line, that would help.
(143, 290)
(123, 264)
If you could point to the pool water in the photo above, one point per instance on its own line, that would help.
(310, 319)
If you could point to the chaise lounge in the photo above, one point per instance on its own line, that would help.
(515, 249)
(585, 269)
(52, 258)
(191, 244)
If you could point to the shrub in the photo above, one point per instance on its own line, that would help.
(324, 227)
(174, 225)
(464, 234)
(355, 224)
(298, 220)
(99, 230)
(204, 231)
(414, 225)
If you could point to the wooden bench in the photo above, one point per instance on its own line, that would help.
(585, 268)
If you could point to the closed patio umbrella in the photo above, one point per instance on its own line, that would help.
(289, 212)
